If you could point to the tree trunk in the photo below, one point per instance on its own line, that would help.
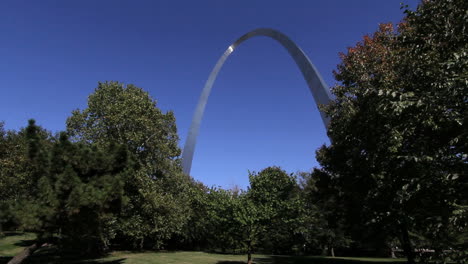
(142, 242)
(392, 253)
(325, 251)
(249, 252)
(406, 243)
(332, 251)
(25, 254)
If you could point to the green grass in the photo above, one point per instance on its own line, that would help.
(207, 258)
(184, 257)
(13, 243)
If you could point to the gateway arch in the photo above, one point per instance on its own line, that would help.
(317, 86)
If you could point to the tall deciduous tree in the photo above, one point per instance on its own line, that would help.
(249, 222)
(398, 125)
(128, 115)
(275, 195)
(158, 206)
(323, 213)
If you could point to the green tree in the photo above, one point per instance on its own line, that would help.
(128, 115)
(249, 223)
(196, 231)
(324, 223)
(158, 207)
(210, 224)
(277, 196)
(398, 126)
(222, 226)
(77, 192)
(15, 170)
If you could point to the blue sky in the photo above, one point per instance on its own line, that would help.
(260, 112)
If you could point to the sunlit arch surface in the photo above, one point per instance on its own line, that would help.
(317, 86)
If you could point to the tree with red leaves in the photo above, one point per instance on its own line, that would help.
(398, 129)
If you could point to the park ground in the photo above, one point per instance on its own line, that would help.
(13, 243)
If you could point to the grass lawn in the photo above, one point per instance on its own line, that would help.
(13, 243)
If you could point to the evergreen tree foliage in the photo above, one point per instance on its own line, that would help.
(15, 170)
(77, 192)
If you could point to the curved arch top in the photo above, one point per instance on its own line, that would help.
(317, 86)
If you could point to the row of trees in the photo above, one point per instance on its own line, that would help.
(113, 180)
(91, 198)
(394, 175)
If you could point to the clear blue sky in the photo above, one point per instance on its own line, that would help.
(260, 113)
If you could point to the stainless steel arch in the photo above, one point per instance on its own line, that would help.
(317, 86)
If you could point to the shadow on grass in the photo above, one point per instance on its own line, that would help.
(12, 233)
(267, 260)
(4, 260)
(53, 256)
(25, 243)
(308, 260)
(59, 260)
(50, 255)
(65, 260)
(317, 260)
